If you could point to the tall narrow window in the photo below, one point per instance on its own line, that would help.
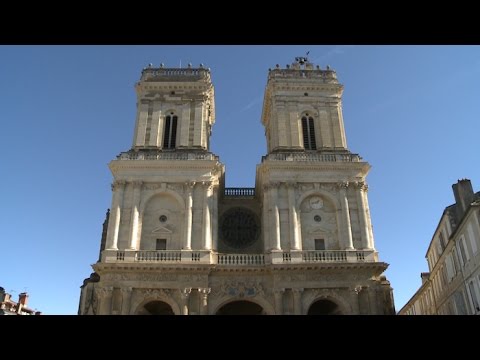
(473, 295)
(170, 131)
(319, 244)
(161, 244)
(308, 133)
(442, 240)
(463, 250)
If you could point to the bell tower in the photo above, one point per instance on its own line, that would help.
(310, 164)
(175, 109)
(302, 109)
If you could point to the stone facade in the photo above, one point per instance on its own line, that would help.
(179, 242)
(452, 285)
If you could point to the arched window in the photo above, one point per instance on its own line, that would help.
(308, 133)
(170, 131)
(442, 241)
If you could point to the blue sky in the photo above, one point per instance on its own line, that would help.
(411, 111)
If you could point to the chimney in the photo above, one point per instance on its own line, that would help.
(23, 299)
(463, 192)
(424, 276)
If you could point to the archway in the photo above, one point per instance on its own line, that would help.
(156, 308)
(241, 307)
(324, 307)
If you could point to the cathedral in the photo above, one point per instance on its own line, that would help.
(176, 241)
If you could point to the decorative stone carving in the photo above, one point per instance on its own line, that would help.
(306, 187)
(185, 293)
(152, 277)
(315, 202)
(342, 185)
(241, 289)
(91, 301)
(189, 186)
(292, 184)
(204, 292)
(361, 186)
(137, 184)
(328, 187)
(140, 295)
(105, 291)
(126, 291)
(175, 187)
(151, 186)
(292, 278)
(207, 185)
(118, 185)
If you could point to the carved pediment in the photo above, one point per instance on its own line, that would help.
(161, 230)
(318, 230)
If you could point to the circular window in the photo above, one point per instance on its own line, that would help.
(239, 228)
(163, 218)
(317, 218)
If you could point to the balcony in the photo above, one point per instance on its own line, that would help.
(294, 157)
(211, 258)
(166, 74)
(167, 155)
(239, 192)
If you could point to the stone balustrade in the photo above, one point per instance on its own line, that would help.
(241, 259)
(207, 257)
(312, 157)
(154, 73)
(153, 155)
(236, 192)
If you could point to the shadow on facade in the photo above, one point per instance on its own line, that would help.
(156, 308)
(241, 308)
(324, 307)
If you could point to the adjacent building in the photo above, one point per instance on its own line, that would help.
(10, 307)
(452, 285)
(177, 241)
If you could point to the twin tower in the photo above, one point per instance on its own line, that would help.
(176, 241)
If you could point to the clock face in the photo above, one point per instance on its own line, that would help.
(239, 228)
(316, 202)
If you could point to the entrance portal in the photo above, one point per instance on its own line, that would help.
(156, 308)
(324, 307)
(241, 308)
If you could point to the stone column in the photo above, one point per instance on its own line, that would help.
(278, 294)
(185, 294)
(362, 213)
(188, 215)
(347, 228)
(214, 217)
(118, 188)
(137, 188)
(265, 224)
(105, 300)
(355, 300)
(276, 245)
(126, 298)
(204, 300)
(295, 243)
(207, 233)
(297, 301)
(367, 214)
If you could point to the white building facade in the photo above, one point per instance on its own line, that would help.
(452, 285)
(176, 241)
